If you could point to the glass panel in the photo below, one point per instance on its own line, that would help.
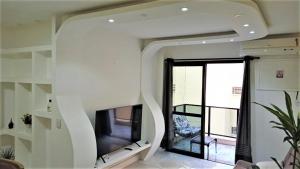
(193, 109)
(187, 98)
(223, 84)
(187, 133)
(187, 85)
(223, 97)
(223, 92)
(223, 121)
(178, 108)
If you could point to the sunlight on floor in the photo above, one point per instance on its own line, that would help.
(163, 159)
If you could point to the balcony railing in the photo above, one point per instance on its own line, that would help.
(182, 110)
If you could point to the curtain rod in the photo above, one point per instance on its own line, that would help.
(220, 59)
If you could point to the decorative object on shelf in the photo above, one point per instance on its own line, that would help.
(7, 152)
(27, 119)
(290, 126)
(49, 105)
(11, 124)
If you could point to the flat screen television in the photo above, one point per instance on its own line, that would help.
(117, 127)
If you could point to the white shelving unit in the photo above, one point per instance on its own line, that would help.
(26, 87)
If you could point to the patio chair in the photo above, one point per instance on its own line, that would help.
(183, 127)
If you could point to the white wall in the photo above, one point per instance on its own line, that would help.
(222, 50)
(101, 66)
(266, 140)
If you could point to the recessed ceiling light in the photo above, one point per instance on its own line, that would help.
(111, 20)
(231, 40)
(204, 42)
(184, 9)
(246, 25)
(252, 32)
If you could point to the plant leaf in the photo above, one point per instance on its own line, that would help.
(277, 123)
(287, 138)
(289, 120)
(282, 117)
(275, 160)
(289, 105)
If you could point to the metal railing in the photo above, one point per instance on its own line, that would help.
(183, 111)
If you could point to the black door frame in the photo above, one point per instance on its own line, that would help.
(203, 63)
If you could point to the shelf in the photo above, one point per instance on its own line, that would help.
(7, 140)
(23, 97)
(26, 49)
(8, 132)
(23, 151)
(16, 65)
(23, 105)
(43, 81)
(14, 133)
(42, 95)
(42, 65)
(7, 103)
(16, 80)
(121, 155)
(24, 135)
(43, 114)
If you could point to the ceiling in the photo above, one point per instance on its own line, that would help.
(202, 21)
(281, 16)
(169, 20)
(18, 12)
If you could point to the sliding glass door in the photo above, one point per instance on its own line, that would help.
(203, 99)
(188, 114)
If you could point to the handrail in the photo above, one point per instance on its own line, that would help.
(208, 106)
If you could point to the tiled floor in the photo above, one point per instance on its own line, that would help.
(225, 154)
(163, 159)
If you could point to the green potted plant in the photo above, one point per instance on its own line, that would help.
(289, 125)
(27, 119)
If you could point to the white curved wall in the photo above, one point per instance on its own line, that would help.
(83, 156)
(102, 68)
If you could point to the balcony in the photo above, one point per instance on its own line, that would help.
(220, 129)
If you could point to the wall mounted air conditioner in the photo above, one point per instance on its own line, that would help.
(280, 46)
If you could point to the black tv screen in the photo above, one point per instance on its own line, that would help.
(117, 127)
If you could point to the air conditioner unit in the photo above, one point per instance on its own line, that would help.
(281, 46)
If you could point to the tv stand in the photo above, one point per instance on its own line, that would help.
(122, 157)
(103, 159)
(137, 144)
